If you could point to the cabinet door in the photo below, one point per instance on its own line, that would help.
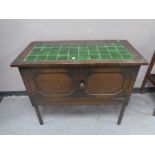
(53, 83)
(105, 83)
(47, 85)
(111, 82)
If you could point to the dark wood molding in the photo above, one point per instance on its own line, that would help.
(1, 97)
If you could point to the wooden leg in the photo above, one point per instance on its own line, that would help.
(1, 98)
(121, 113)
(148, 73)
(38, 115)
(143, 85)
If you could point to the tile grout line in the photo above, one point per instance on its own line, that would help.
(88, 54)
(39, 55)
(29, 54)
(78, 53)
(98, 52)
(58, 53)
(126, 54)
(68, 52)
(118, 51)
(108, 52)
(47, 55)
(78, 48)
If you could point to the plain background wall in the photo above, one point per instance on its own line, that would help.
(15, 35)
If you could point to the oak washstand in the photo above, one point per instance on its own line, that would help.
(79, 72)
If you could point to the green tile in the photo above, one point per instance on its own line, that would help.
(79, 51)
(65, 48)
(124, 52)
(74, 45)
(103, 52)
(53, 52)
(100, 44)
(121, 48)
(83, 48)
(56, 45)
(92, 48)
(73, 52)
(93, 51)
(94, 57)
(111, 48)
(31, 58)
(116, 57)
(108, 44)
(40, 57)
(62, 57)
(63, 52)
(43, 53)
(56, 48)
(113, 52)
(65, 45)
(102, 48)
(83, 45)
(118, 44)
(91, 44)
(83, 57)
(48, 45)
(83, 52)
(105, 56)
(129, 57)
(45, 50)
(34, 53)
(51, 57)
(73, 48)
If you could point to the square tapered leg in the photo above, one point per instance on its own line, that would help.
(38, 115)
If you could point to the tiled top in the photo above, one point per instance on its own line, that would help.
(74, 52)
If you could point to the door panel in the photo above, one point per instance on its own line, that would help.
(104, 83)
(53, 83)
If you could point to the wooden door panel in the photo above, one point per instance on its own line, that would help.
(105, 83)
(53, 83)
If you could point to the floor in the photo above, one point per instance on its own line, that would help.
(17, 116)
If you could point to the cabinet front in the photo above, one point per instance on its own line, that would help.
(78, 85)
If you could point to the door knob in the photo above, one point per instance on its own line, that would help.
(82, 85)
